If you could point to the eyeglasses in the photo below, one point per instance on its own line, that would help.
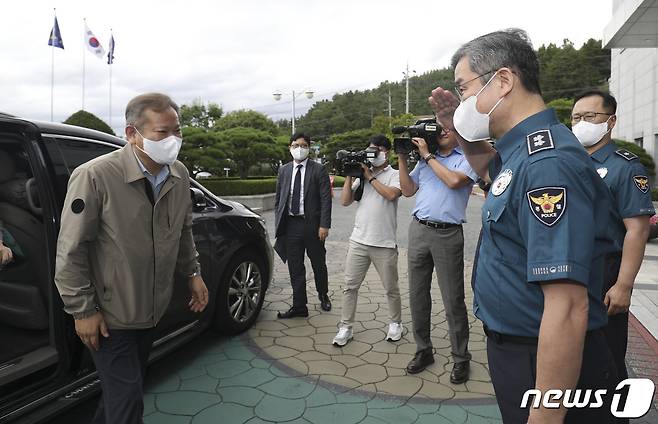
(296, 145)
(587, 116)
(460, 88)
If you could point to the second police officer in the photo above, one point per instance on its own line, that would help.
(593, 117)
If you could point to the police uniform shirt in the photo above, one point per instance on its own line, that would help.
(544, 219)
(627, 180)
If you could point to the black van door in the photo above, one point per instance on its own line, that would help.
(32, 354)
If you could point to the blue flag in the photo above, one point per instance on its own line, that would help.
(55, 39)
(110, 54)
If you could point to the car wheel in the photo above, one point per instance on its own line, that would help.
(241, 293)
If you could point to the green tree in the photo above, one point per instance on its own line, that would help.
(563, 109)
(247, 147)
(85, 119)
(246, 119)
(199, 115)
(201, 151)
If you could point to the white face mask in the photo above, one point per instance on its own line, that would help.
(378, 160)
(471, 124)
(299, 153)
(163, 152)
(588, 133)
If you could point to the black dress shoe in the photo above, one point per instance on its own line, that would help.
(460, 372)
(293, 312)
(325, 303)
(421, 360)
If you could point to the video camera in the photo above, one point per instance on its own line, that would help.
(427, 129)
(351, 161)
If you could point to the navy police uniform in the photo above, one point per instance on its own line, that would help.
(544, 219)
(627, 180)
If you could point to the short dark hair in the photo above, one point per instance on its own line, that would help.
(510, 48)
(156, 102)
(298, 135)
(609, 102)
(380, 140)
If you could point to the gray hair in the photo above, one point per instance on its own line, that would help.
(156, 102)
(509, 48)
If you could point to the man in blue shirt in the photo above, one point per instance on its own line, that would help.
(443, 182)
(593, 117)
(540, 268)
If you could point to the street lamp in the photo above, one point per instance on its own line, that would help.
(277, 96)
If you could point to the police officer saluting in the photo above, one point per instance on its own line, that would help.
(540, 267)
(593, 118)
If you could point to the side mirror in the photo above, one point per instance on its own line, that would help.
(198, 199)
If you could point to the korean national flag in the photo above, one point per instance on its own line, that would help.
(93, 44)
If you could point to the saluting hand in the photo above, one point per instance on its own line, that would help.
(199, 293)
(444, 104)
(618, 299)
(88, 329)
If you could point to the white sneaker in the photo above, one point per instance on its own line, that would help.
(394, 332)
(344, 335)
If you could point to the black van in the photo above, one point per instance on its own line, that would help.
(44, 368)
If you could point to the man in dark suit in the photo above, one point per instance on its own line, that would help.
(302, 221)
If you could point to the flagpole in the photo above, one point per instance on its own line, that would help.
(109, 60)
(84, 55)
(52, 72)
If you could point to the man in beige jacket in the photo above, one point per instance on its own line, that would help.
(126, 215)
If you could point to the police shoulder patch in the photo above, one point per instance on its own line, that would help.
(78, 206)
(539, 140)
(548, 204)
(641, 182)
(626, 154)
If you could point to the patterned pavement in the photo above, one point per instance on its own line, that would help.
(288, 370)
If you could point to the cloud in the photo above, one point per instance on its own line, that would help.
(238, 53)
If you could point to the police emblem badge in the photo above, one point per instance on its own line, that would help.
(641, 182)
(548, 204)
(602, 172)
(501, 182)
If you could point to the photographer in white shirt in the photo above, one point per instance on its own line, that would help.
(373, 238)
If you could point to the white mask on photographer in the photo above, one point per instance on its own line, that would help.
(470, 124)
(588, 133)
(378, 160)
(163, 152)
(299, 153)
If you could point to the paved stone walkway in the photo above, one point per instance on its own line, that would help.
(288, 370)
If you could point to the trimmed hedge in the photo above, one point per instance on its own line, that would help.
(240, 187)
(237, 187)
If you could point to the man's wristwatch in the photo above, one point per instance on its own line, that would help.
(428, 157)
(371, 180)
(195, 274)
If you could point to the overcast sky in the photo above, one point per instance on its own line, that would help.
(237, 53)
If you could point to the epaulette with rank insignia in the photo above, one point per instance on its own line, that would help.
(539, 140)
(626, 154)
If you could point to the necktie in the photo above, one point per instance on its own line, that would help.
(296, 191)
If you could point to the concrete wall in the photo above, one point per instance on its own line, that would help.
(634, 83)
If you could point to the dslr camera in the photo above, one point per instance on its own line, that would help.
(350, 161)
(427, 129)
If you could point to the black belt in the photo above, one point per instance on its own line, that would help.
(506, 338)
(533, 341)
(296, 216)
(436, 224)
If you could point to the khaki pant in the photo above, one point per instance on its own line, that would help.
(359, 257)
